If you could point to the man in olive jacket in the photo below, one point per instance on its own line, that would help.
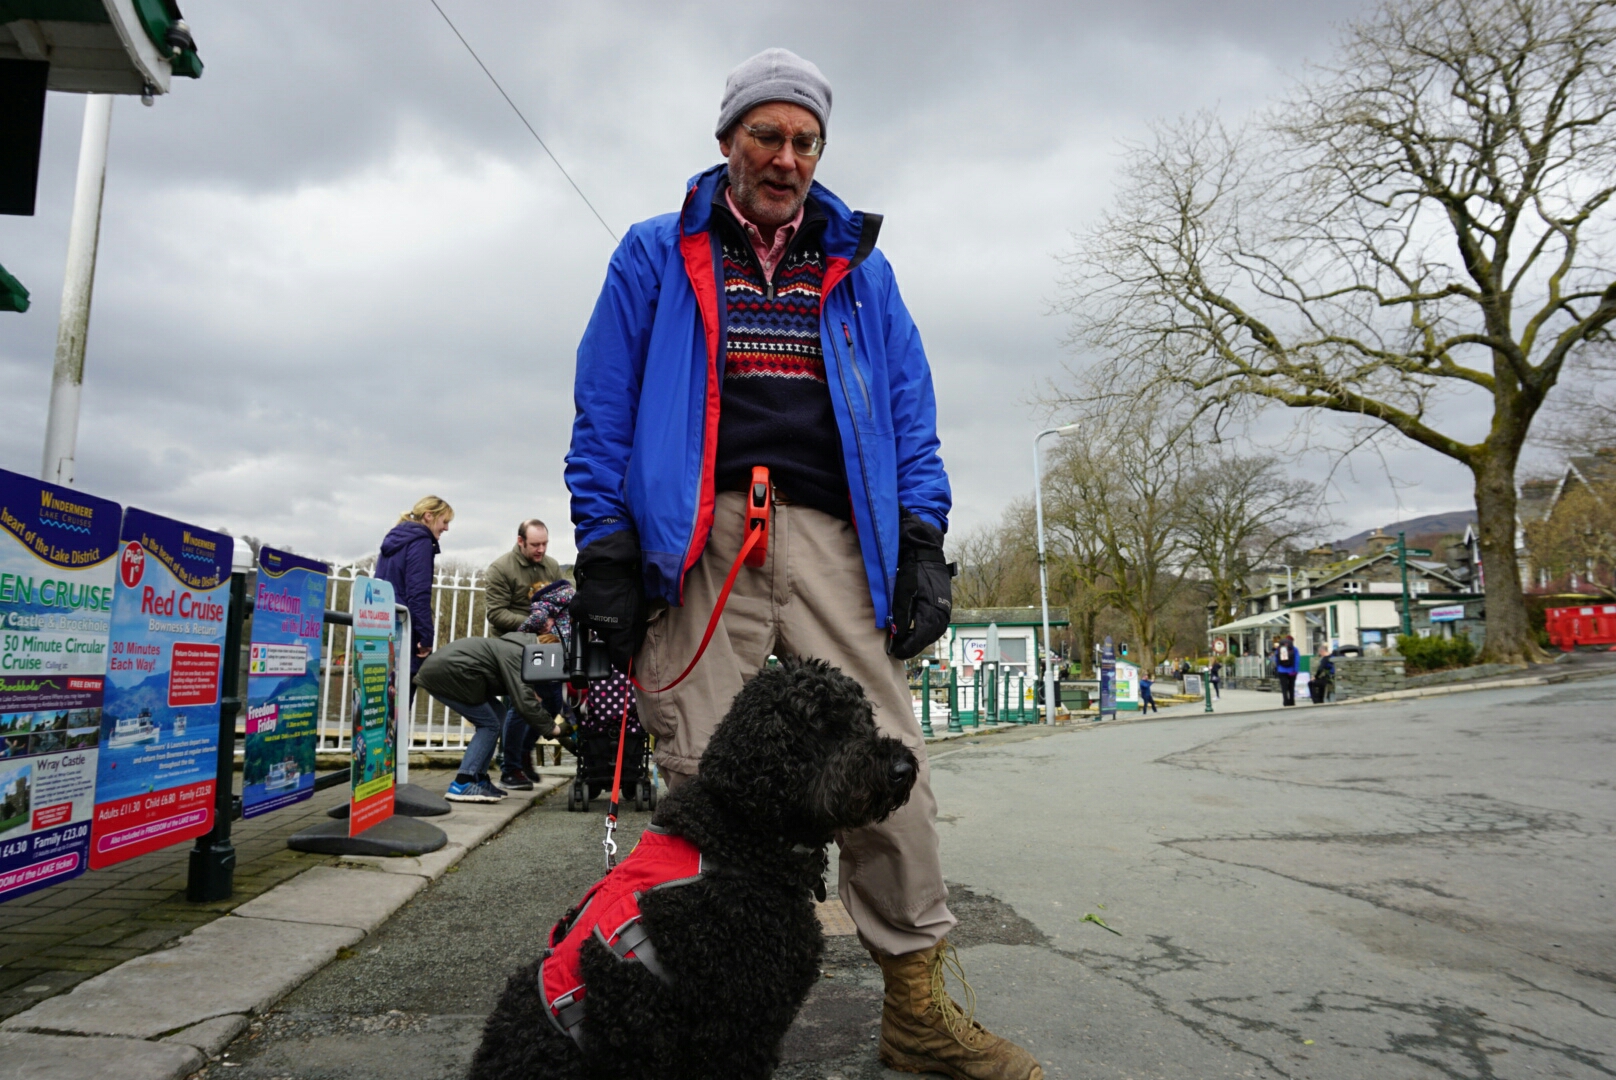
(510, 578)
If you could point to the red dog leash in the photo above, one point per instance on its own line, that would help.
(754, 551)
(759, 505)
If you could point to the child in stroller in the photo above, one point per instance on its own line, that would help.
(590, 729)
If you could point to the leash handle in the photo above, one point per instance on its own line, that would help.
(759, 508)
(756, 537)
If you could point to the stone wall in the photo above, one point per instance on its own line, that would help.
(1360, 676)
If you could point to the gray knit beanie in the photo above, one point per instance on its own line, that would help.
(774, 75)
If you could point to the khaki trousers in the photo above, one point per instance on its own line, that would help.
(810, 598)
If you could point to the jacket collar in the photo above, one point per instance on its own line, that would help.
(849, 234)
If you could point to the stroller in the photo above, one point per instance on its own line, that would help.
(598, 717)
(594, 745)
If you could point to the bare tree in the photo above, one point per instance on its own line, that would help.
(997, 563)
(1120, 489)
(1077, 571)
(1420, 225)
(1584, 420)
(1241, 512)
(1577, 542)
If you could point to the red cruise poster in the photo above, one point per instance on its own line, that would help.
(160, 712)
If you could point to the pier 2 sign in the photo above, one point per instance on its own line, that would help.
(375, 719)
(160, 715)
(283, 681)
(57, 549)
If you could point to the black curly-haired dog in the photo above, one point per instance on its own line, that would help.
(732, 954)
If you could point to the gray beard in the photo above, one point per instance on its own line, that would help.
(745, 193)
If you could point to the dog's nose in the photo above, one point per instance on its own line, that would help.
(900, 769)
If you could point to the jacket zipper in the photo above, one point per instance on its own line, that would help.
(857, 374)
(864, 468)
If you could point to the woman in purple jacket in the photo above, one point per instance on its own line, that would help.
(408, 553)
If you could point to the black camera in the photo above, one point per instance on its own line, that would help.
(578, 660)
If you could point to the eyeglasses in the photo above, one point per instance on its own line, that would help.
(771, 140)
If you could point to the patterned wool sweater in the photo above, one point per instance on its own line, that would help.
(776, 407)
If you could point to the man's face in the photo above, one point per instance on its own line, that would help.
(770, 186)
(533, 542)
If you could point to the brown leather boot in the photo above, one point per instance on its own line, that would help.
(924, 1031)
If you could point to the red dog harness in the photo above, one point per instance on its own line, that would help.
(610, 911)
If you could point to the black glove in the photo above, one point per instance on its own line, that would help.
(611, 595)
(922, 601)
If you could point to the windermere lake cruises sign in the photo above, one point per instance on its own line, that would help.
(57, 550)
(112, 628)
(160, 719)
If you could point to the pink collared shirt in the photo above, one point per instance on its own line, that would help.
(769, 255)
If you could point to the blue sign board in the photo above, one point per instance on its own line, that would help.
(57, 559)
(1108, 678)
(283, 682)
(160, 718)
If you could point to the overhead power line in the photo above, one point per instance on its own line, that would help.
(524, 120)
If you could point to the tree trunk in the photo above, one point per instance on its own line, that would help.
(1509, 634)
(1084, 645)
(1144, 628)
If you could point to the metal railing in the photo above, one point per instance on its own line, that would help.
(459, 610)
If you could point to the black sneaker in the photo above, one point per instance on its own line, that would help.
(516, 781)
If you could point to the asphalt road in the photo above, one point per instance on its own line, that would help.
(1405, 890)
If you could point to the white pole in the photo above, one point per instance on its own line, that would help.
(1043, 575)
(67, 378)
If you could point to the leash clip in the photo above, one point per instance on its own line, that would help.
(609, 844)
(759, 505)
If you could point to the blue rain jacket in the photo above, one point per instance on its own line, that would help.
(656, 339)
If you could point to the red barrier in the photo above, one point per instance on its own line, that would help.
(1572, 626)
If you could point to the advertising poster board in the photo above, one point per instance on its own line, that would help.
(283, 681)
(1108, 678)
(1127, 686)
(57, 559)
(160, 715)
(370, 683)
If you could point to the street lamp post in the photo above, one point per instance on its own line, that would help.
(1043, 574)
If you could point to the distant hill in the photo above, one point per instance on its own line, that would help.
(1431, 525)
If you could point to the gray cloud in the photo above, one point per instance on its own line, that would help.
(336, 273)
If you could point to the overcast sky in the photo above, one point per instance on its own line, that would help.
(336, 273)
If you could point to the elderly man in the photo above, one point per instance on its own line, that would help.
(760, 325)
(507, 588)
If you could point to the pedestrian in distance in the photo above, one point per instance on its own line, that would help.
(760, 325)
(1215, 675)
(469, 676)
(1323, 676)
(408, 557)
(1285, 666)
(507, 585)
(1147, 699)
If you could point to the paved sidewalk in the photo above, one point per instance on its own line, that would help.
(53, 939)
(162, 1011)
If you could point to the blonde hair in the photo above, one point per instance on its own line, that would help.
(431, 504)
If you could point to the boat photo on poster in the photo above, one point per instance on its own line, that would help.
(57, 549)
(160, 716)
